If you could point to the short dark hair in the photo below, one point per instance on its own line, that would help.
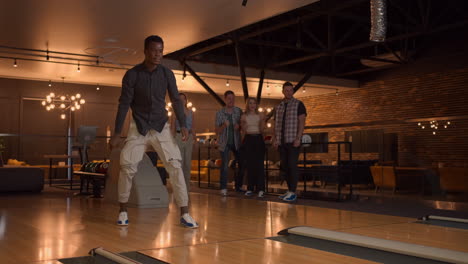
(287, 84)
(185, 96)
(153, 38)
(228, 92)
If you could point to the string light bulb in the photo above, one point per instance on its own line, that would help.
(63, 116)
(50, 83)
(303, 89)
(15, 64)
(227, 83)
(336, 93)
(194, 109)
(97, 87)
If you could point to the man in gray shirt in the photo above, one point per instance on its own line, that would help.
(144, 90)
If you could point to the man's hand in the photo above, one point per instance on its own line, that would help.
(296, 143)
(115, 141)
(226, 123)
(274, 143)
(184, 133)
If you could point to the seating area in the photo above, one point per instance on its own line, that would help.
(21, 179)
(453, 179)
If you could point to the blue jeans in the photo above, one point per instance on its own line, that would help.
(224, 167)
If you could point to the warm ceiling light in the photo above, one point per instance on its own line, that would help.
(63, 116)
(73, 98)
(78, 96)
(260, 109)
(62, 106)
(15, 64)
(50, 83)
(82, 101)
(72, 108)
(194, 109)
(336, 93)
(43, 103)
(97, 87)
(303, 89)
(227, 83)
(189, 104)
(62, 98)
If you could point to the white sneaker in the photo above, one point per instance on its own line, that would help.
(261, 194)
(187, 221)
(291, 197)
(123, 219)
(224, 192)
(284, 195)
(248, 193)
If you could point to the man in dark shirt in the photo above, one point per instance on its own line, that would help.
(289, 124)
(144, 90)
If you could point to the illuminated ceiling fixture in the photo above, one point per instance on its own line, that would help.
(434, 125)
(15, 64)
(336, 93)
(63, 102)
(50, 83)
(303, 89)
(97, 87)
(227, 83)
(78, 69)
(169, 108)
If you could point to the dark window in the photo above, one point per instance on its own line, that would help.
(364, 141)
(316, 139)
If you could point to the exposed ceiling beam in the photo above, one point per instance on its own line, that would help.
(260, 86)
(261, 31)
(369, 44)
(240, 63)
(278, 45)
(203, 83)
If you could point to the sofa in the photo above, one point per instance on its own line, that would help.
(21, 179)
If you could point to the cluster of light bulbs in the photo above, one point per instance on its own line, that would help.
(63, 102)
(434, 125)
(268, 109)
(169, 108)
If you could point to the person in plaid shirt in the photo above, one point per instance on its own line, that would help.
(289, 125)
(227, 127)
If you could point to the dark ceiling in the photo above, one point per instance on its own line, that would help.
(331, 38)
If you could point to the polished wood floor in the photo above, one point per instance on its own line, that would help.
(41, 228)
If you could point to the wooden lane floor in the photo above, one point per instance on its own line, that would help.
(55, 224)
(249, 251)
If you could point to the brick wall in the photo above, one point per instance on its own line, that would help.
(428, 88)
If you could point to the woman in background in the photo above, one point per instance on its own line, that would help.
(252, 125)
(184, 146)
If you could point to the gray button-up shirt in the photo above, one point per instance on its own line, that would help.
(145, 93)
